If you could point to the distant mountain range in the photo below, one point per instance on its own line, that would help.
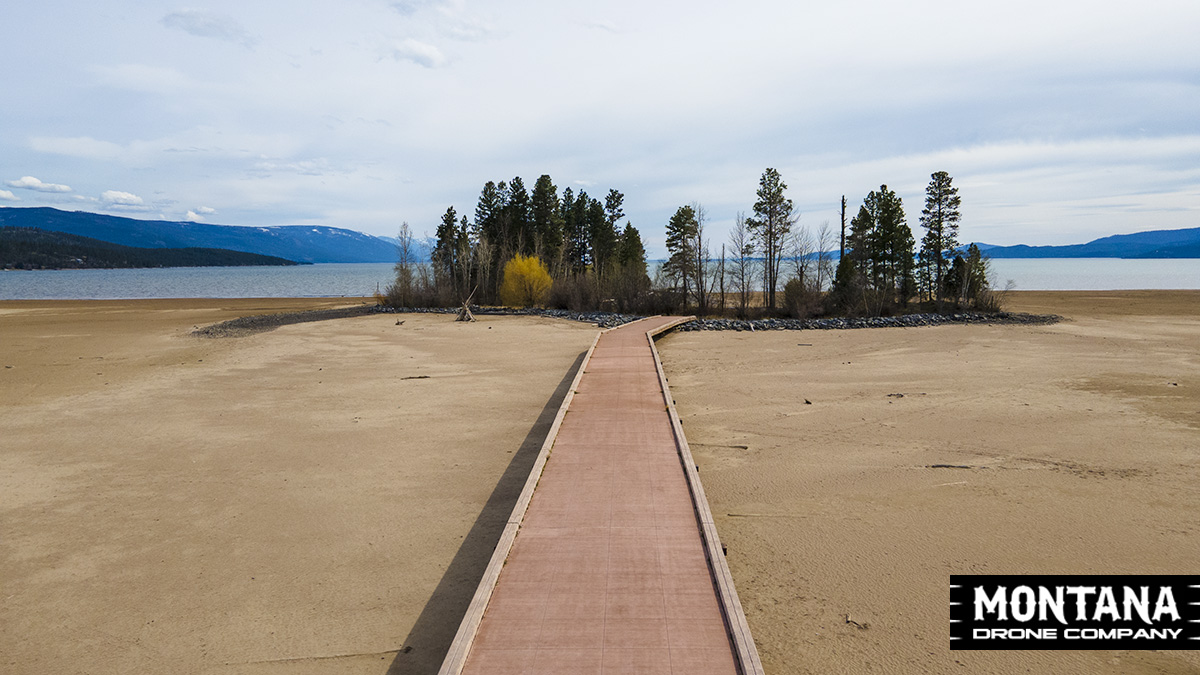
(27, 248)
(319, 244)
(1154, 244)
(299, 243)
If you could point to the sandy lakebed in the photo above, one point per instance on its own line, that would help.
(323, 497)
(1083, 446)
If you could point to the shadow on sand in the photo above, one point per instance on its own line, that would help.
(426, 645)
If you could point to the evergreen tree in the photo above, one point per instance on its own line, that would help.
(680, 265)
(521, 236)
(490, 233)
(575, 246)
(489, 211)
(464, 262)
(613, 212)
(602, 236)
(631, 253)
(547, 219)
(602, 232)
(881, 245)
(579, 238)
(967, 281)
(940, 218)
(631, 282)
(770, 226)
(445, 249)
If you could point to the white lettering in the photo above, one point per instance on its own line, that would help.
(1054, 603)
(1023, 594)
(1014, 634)
(1140, 603)
(994, 605)
(1166, 604)
(1106, 604)
(1121, 633)
(1081, 593)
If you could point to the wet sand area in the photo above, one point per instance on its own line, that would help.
(610, 569)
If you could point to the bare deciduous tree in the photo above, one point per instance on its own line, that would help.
(700, 251)
(824, 257)
(741, 263)
(400, 291)
(798, 250)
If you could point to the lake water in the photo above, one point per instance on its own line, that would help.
(355, 280)
(1095, 274)
(299, 281)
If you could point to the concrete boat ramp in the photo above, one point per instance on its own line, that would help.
(610, 562)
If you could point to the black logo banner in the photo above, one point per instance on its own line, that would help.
(1074, 612)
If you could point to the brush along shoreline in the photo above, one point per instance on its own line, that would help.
(250, 325)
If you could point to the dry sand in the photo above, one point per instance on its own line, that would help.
(288, 502)
(1082, 438)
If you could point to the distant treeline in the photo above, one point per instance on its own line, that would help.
(587, 258)
(571, 252)
(28, 248)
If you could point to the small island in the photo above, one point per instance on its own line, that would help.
(30, 248)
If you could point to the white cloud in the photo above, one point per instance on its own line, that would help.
(209, 25)
(418, 52)
(80, 146)
(118, 198)
(675, 108)
(207, 141)
(197, 215)
(31, 183)
(8, 196)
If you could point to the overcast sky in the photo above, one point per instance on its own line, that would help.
(1060, 120)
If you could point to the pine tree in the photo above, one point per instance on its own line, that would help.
(547, 219)
(940, 218)
(602, 236)
(881, 245)
(630, 282)
(520, 218)
(681, 256)
(464, 262)
(770, 226)
(445, 248)
(578, 233)
(631, 253)
(613, 212)
(602, 231)
(490, 233)
(574, 247)
(488, 211)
